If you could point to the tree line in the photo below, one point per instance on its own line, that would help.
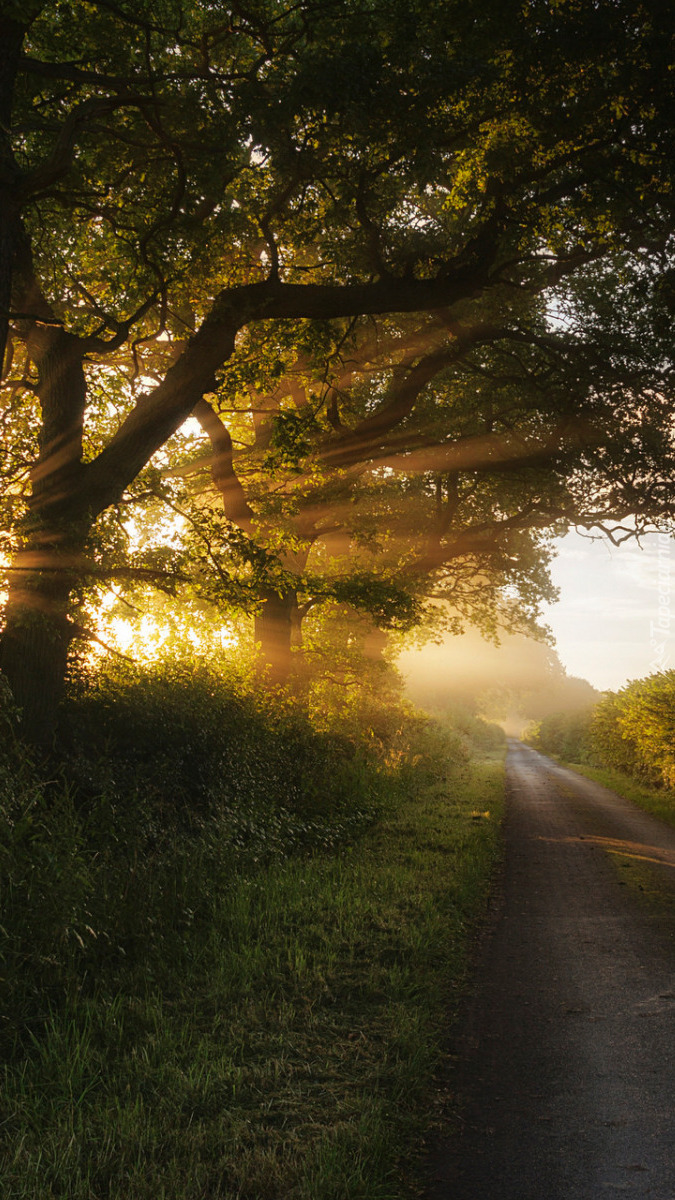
(632, 730)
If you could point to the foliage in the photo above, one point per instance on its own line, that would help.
(566, 735)
(192, 738)
(246, 996)
(630, 731)
(641, 719)
(155, 760)
(614, 745)
(481, 736)
(388, 604)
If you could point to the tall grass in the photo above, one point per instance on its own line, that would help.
(233, 985)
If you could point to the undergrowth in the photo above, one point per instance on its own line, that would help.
(229, 949)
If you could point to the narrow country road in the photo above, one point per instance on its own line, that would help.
(567, 1062)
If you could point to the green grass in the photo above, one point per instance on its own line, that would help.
(657, 801)
(283, 1047)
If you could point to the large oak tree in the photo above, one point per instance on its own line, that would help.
(175, 175)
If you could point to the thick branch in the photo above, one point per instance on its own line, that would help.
(402, 397)
(235, 504)
(159, 413)
(156, 417)
(271, 298)
(61, 158)
(480, 540)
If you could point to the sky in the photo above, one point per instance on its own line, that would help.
(611, 624)
(613, 621)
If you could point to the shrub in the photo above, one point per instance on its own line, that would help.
(632, 730)
(566, 735)
(170, 783)
(635, 728)
(612, 744)
(190, 740)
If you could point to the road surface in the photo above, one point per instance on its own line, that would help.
(567, 1059)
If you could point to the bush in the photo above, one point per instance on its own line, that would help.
(611, 743)
(566, 735)
(471, 734)
(189, 740)
(634, 729)
(479, 734)
(170, 783)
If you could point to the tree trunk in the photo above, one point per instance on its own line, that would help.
(276, 628)
(34, 650)
(37, 633)
(375, 644)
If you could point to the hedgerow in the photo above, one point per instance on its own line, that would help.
(632, 730)
(165, 784)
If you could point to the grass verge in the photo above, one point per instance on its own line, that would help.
(289, 1054)
(656, 801)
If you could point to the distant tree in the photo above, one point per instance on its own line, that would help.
(565, 734)
(519, 681)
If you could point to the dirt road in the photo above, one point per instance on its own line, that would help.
(567, 1063)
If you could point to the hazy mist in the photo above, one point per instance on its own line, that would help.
(513, 683)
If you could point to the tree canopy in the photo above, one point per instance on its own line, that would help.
(409, 266)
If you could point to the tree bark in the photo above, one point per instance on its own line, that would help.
(34, 648)
(277, 627)
(37, 633)
(375, 644)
